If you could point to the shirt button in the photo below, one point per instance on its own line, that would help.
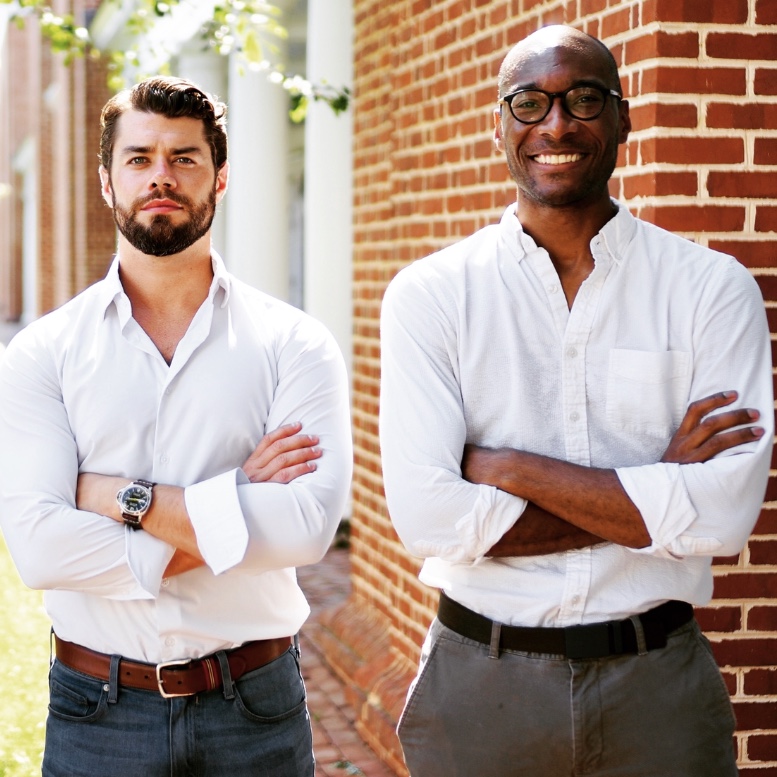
(165, 582)
(572, 352)
(170, 641)
(575, 600)
(574, 416)
(553, 289)
(163, 458)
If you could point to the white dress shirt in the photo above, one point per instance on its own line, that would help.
(479, 346)
(84, 389)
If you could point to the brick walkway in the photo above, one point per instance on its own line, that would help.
(340, 752)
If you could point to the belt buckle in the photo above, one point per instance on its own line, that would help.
(160, 681)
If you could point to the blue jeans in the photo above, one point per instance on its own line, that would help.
(260, 728)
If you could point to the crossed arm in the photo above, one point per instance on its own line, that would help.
(570, 506)
(280, 457)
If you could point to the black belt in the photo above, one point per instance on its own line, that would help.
(596, 640)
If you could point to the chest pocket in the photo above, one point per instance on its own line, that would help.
(647, 391)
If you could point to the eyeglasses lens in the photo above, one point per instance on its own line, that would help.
(582, 102)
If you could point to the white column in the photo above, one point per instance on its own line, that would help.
(209, 71)
(329, 174)
(257, 213)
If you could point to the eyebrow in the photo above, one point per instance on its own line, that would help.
(174, 152)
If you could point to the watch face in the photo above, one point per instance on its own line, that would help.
(135, 500)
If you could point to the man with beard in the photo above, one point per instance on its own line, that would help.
(173, 443)
(567, 432)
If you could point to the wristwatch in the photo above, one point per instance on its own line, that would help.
(134, 501)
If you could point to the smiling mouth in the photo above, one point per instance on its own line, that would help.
(557, 159)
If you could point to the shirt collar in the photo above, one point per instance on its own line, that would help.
(614, 237)
(113, 291)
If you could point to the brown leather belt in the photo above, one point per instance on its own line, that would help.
(596, 640)
(173, 678)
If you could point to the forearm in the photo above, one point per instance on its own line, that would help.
(166, 519)
(538, 532)
(589, 499)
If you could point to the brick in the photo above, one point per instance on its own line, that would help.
(750, 253)
(762, 618)
(664, 115)
(762, 747)
(766, 219)
(765, 12)
(719, 619)
(765, 151)
(685, 80)
(765, 80)
(662, 44)
(746, 585)
(660, 184)
(767, 522)
(751, 185)
(590, 7)
(760, 682)
(699, 11)
(615, 23)
(747, 116)
(752, 716)
(734, 45)
(763, 552)
(693, 150)
(695, 218)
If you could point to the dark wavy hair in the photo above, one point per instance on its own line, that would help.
(171, 97)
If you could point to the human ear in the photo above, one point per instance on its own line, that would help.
(105, 186)
(498, 142)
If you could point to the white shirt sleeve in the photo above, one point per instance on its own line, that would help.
(265, 526)
(54, 545)
(423, 432)
(710, 508)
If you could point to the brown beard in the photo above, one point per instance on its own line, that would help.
(161, 237)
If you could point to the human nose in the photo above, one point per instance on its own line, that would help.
(162, 176)
(558, 121)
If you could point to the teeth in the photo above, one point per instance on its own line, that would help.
(558, 159)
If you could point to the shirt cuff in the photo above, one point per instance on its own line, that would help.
(218, 522)
(148, 558)
(658, 491)
(492, 514)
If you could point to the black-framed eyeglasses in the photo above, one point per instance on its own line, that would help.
(531, 106)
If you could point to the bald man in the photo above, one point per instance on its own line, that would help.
(576, 415)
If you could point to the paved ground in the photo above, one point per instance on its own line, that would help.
(340, 752)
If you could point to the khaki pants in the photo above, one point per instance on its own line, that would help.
(663, 714)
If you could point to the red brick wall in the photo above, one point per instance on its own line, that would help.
(57, 107)
(702, 161)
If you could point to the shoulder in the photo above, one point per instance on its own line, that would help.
(54, 330)
(282, 322)
(447, 269)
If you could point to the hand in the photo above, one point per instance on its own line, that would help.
(282, 455)
(701, 436)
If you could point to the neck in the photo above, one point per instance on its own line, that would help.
(165, 283)
(566, 234)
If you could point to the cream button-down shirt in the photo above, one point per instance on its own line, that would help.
(479, 346)
(84, 389)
